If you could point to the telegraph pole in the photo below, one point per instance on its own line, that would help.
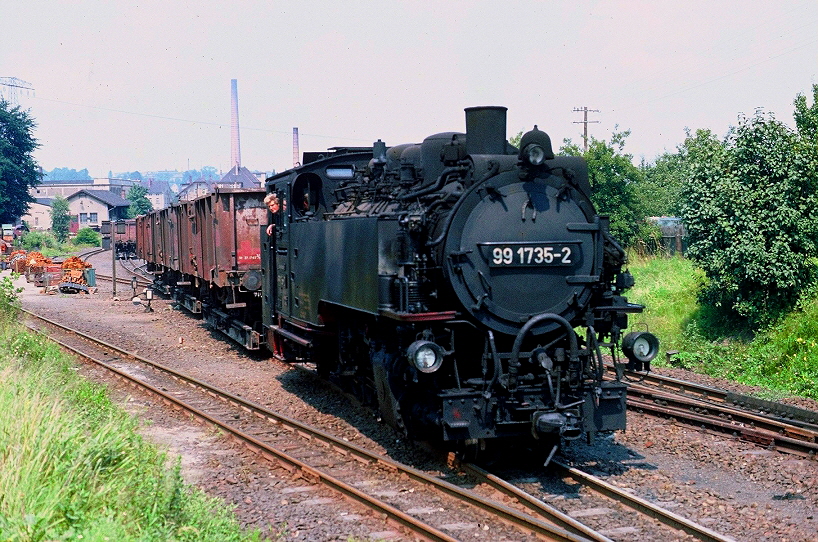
(585, 122)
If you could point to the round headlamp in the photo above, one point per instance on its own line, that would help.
(534, 154)
(640, 346)
(535, 147)
(426, 356)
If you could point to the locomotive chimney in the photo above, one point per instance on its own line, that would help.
(486, 130)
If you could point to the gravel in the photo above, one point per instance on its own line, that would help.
(732, 487)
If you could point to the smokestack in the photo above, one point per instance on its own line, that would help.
(296, 153)
(235, 146)
(486, 130)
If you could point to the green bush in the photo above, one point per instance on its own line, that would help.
(749, 211)
(88, 237)
(783, 358)
(39, 240)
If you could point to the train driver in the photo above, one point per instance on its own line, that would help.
(272, 203)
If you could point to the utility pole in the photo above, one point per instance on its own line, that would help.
(13, 87)
(585, 121)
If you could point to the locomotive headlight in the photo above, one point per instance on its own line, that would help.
(426, 356)
(534, 154)
(640, 347)
(535, 147)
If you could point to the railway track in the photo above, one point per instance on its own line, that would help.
(630, 510)
(766, 423)
(348, 469)
(141, 280)
(336, 464)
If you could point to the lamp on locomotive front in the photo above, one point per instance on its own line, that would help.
(426, 356)
(535, 147)
(640, 347)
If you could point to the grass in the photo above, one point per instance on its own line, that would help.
(72, 465)
(782, 358)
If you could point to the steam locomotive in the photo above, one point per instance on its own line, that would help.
(463, 287)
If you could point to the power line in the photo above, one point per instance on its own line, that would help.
(205, 123)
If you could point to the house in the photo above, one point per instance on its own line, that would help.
(51, 189)
(93, 206)
(159, 193)
(238, 177)
(195, 189)
(38, 216)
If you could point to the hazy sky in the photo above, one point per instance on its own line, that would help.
(145, 85)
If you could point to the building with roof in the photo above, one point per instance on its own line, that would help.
(238, 177)
(159, 193)
(94, 206)
(195, 189)
(51, 189)
(38, 216)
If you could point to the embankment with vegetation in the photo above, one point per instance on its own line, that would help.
(781, 356)
(72, 465)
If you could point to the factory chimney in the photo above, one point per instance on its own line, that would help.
(296, 153)
(235, 146)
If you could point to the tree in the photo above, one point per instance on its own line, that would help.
(67, 174)
(18, 170)
(60, 218)
(613, 183)
(806, 117)
(515, 139)
(659, 191)
(750, 211)
(140, 205)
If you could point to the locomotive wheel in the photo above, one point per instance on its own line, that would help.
(471, 451)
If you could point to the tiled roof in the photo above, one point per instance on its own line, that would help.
(105, 196)
(241, 177)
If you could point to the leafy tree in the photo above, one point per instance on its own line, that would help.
(806, 117)
(67, 174)
(659, 191)
(750, 210)
(60, 218)
(140, 204)
(613, 183)
(515, 139)
(18, 170)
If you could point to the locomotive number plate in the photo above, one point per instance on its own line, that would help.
(531, 254)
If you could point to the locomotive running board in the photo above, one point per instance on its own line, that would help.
(235, 329)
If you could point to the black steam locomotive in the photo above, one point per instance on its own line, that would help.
(464, 287)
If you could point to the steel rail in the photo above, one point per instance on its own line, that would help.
(501, 511)
(741, 418)
(763, 437)
(140, 282)
(786, 413)
(666, 517)
(268, 452)
(538, 506)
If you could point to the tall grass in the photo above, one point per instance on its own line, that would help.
(782, 358)
(72, 465)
